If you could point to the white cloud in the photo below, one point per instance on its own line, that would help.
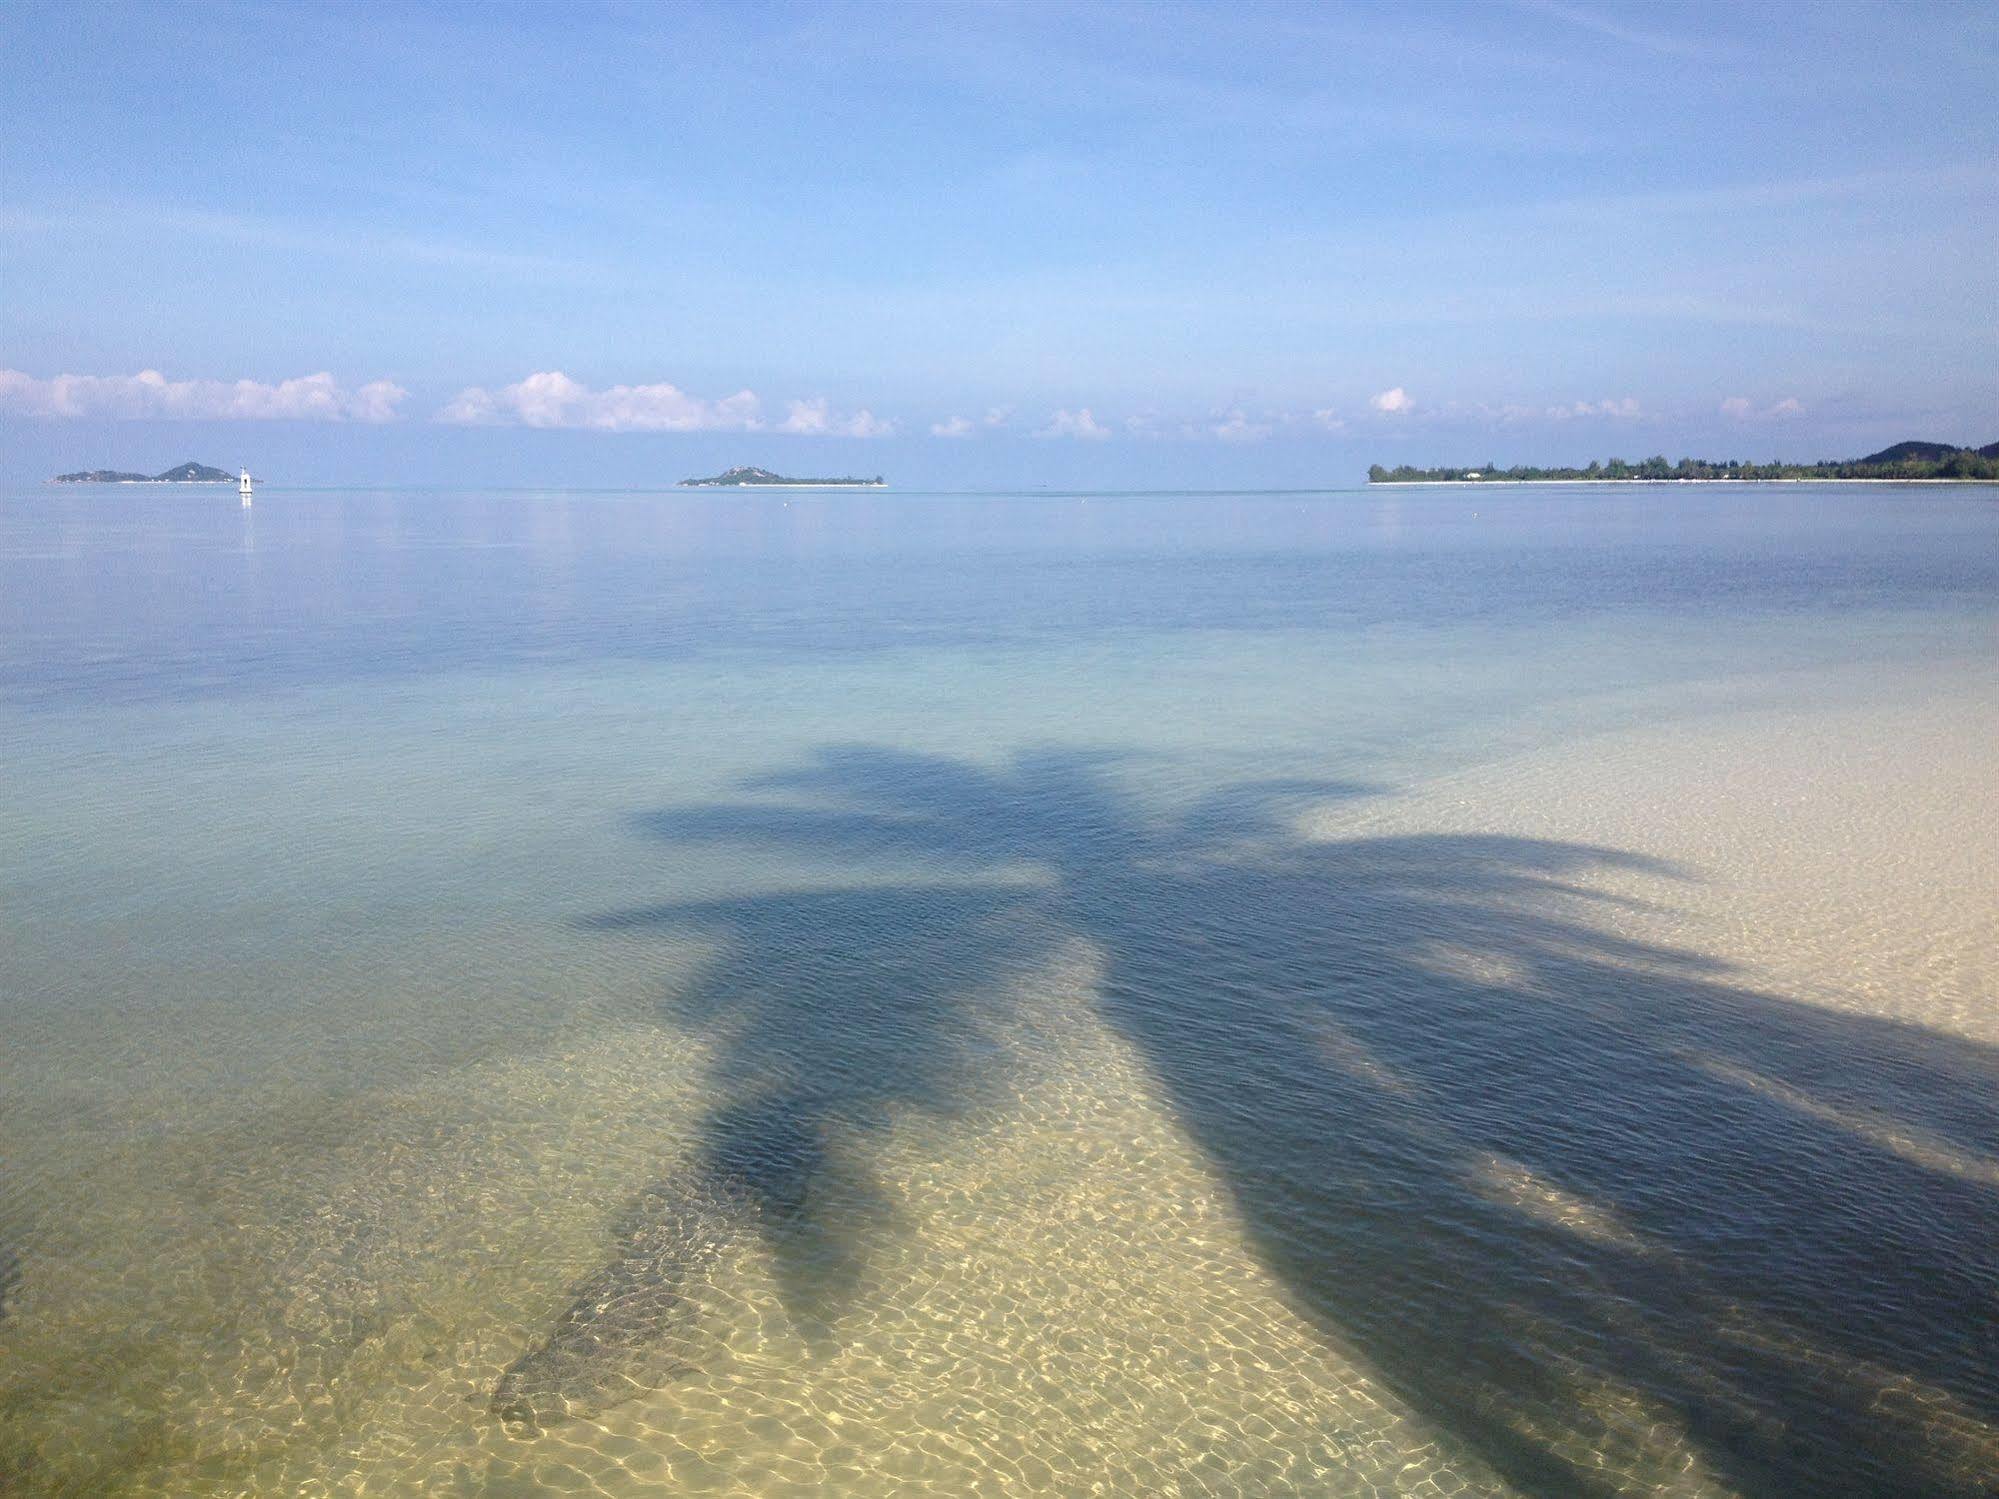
(1329, 419)
(309, 398)
(1626, 408)
(814, 419)
(1395, 402)
(376, 401)
(551, 399)
(965, 426)
(1078, 423)
(1235, 427)
(1742, 409)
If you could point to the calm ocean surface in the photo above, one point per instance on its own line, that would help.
(810, 993)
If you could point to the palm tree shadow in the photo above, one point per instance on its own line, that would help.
(1552, 1185)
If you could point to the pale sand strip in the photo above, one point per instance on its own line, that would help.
(1844, 855)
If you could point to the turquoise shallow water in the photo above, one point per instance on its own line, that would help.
(640, 993)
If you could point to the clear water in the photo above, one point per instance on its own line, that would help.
(642, 993)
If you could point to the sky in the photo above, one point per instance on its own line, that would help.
(982, 245)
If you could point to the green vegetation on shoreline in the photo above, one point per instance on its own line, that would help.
(1905, 460)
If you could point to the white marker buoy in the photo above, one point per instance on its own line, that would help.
(243, 487)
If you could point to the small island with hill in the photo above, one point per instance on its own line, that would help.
(763, 478)
(1905, 462)
(186, 473)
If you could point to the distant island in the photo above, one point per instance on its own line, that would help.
(763, 478)
(187, 473)
(1905, 460)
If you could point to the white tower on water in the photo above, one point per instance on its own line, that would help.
(243, 486)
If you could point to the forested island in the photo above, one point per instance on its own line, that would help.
(752, 478)
(1905, 460)
(187, 473)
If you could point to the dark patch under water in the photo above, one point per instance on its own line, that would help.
(1811, 1307)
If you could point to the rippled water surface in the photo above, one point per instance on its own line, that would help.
(517, 993)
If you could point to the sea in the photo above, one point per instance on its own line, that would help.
(1442, 991)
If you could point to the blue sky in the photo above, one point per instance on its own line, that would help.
(991, 244)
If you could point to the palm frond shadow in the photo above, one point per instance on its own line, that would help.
(1507, 1157)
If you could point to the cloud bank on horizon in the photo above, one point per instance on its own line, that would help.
(550, 398)
(1258, 227)
(554, 401)
(150, 394)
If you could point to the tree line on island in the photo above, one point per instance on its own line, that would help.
(186, 473)
(1905, 460)
(751, 478)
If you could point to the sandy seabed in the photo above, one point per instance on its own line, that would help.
(1847, 855)
(1066, 1300)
